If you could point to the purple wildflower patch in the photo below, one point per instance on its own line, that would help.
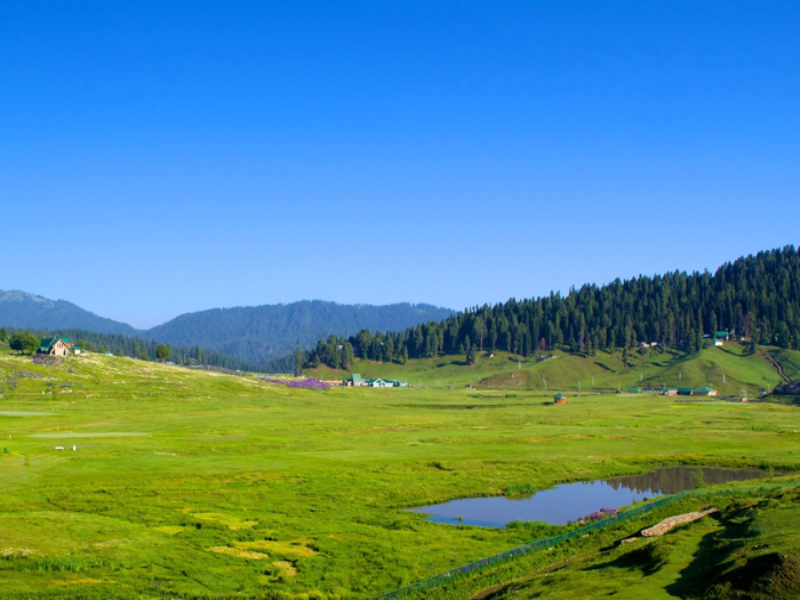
(44, 359)
(305, 384)
(603, 513)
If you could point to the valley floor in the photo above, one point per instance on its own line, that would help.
(187, 484)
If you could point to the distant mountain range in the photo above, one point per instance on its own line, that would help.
(256, 334)
(27, 311)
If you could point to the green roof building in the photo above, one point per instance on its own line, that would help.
(357, 381)
(705, 391)
(55, 346)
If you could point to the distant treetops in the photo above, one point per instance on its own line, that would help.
(756, 296)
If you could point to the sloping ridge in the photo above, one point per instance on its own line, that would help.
(258, 333)
(29, 311)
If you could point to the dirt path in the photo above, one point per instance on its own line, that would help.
(777, 366)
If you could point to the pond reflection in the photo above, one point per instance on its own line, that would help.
(572, 501)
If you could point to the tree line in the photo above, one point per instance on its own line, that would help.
(27, 341)
(758, 297)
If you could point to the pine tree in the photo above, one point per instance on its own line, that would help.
(470, 354)
(298, 362)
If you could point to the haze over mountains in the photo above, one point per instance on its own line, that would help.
(28, 311)
(253, 333)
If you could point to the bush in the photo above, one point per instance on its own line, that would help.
(24, 342)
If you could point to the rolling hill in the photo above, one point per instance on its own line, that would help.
(757, 298)
(728, 369)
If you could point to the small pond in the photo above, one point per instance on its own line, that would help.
(572, 501)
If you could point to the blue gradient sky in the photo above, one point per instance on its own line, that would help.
(163, 157)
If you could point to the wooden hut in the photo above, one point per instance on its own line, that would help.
(559, 399)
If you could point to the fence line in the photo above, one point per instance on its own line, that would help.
(547, 543)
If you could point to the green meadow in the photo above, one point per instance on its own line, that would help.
(192, 484)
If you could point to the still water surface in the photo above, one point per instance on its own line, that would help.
(572, 501)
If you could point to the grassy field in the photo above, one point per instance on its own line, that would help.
(727, 369)
(190, 484)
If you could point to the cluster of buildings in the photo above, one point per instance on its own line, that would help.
(705, 391)
(357, 381)
(718, 339)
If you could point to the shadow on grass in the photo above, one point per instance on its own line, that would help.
(712, 572)
(648, 560)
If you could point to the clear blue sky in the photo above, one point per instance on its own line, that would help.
(163, 157)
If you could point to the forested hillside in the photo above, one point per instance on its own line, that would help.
(259, 333)
(757, 296)
(28, 311)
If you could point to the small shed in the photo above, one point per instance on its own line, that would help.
(559, 399)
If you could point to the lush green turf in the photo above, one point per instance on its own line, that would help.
(196, 485)
(727, 369)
